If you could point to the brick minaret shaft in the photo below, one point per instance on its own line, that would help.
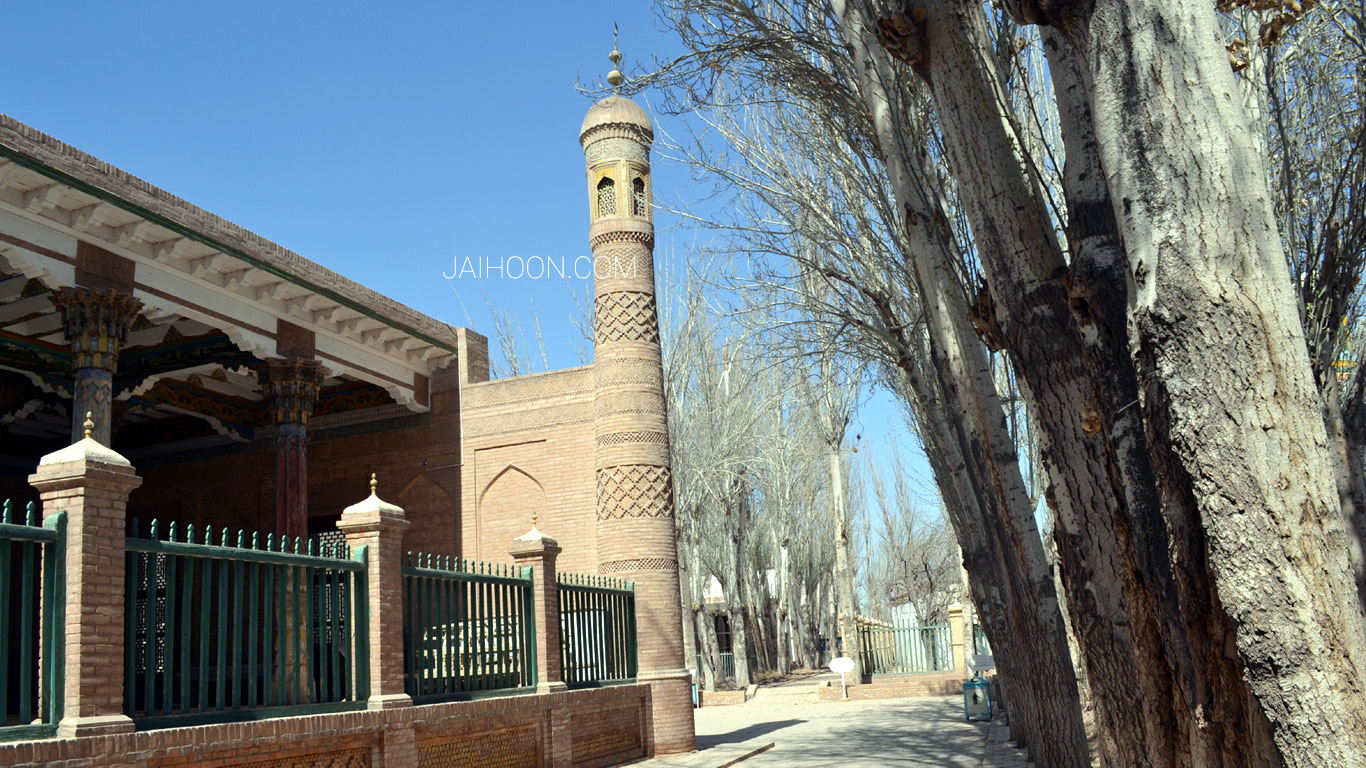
(636, 536)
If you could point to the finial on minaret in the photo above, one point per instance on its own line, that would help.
(373, 483)
(89, 422)
(615, 77)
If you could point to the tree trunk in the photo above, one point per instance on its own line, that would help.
(739, 644)
(711, 655)
(1212, 321)
(1354, 476)
(782, 630)
(844, 574)
(808, 614)
(993, 519)
(832, 623)
(689, 606)
(735, 610)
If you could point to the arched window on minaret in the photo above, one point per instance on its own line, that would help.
(607, 197)
(640, 204)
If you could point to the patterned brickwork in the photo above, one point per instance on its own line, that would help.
(511, 748)
(626, 316)
(609, 733)
(629, 402)
(347, 758)
(610, 236)
(530, 390)
(635, 526)
(639, 564)
(630, 371)
(542, 418)
(629, 149)
(634, 490)
(499, 729)
(629, 261)
(620, 438)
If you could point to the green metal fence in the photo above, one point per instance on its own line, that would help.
(242, 628)
(468, 628)
(597, 629)
(727, 669)
(901, 650)
(32, 584)
(980, 646)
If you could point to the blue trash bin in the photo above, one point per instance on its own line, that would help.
(976, 698)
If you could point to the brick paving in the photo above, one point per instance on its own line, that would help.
(806, 733)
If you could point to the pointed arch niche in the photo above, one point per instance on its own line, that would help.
(432, 524)
(506, 508)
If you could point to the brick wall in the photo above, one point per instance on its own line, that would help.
(898, 687)
(529, 449)
(609, 726)
(720, 698)
(417, 467)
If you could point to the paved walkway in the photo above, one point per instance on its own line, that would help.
(806, 733)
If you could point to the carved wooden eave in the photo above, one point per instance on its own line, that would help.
(191, 263)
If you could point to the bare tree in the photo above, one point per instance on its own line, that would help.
(914, 559)
(850, 117)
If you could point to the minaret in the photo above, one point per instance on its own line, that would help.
(635, 509)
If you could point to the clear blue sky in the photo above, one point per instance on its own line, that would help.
(383, 140)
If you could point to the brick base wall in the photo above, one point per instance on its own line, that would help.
(607, 726)
(721, 698)
(899, 687)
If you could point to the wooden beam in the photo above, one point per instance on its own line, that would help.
(132, 233)
(42, 198)
(91, 216)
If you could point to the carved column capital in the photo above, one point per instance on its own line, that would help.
(96, 323)
(291, 388)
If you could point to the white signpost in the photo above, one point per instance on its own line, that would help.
(843, 665)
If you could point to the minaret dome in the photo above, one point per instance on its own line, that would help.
(616, 136)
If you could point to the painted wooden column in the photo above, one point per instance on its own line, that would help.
(636, 534)
(91, 483)
(96, 324)
(291, 389)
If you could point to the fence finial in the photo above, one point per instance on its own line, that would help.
(89, 422)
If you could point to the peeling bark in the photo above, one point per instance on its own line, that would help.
(1233, 419)
(994, 520)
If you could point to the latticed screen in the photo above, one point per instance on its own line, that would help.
(640, 205)
(607, 198)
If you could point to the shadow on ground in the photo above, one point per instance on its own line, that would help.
(744, 734)
(908, 732)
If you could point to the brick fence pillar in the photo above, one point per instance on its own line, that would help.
(378, 526)
(92, 483)
(958, 631)
(537, 550)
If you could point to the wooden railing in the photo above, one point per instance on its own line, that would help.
(597, 629)
(469, 628)
(222, 627)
